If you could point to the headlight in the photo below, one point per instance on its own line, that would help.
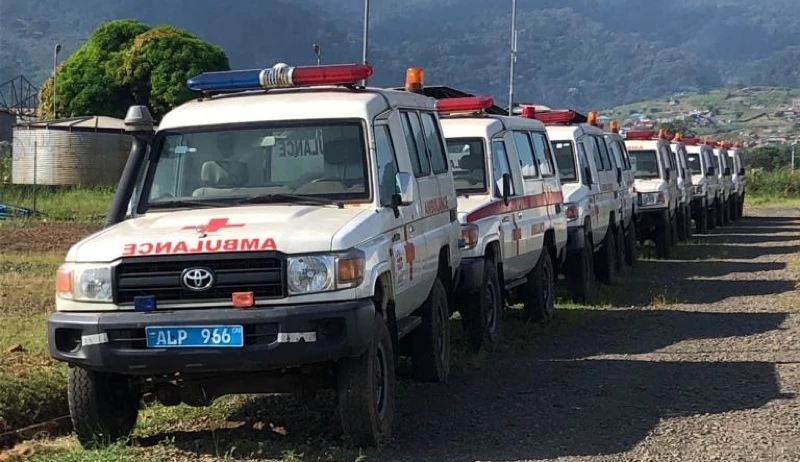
(310, 274)
(469, 236)
(84, 282)
(572, 212)
(651, 199)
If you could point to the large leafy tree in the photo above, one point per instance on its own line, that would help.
(126, 62)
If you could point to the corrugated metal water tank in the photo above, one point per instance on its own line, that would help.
(89, 151)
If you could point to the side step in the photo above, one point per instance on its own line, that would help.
(406, 325)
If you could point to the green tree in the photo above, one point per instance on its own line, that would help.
(126, 62)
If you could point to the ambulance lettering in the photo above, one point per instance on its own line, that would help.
(142, 249)
(434, 206)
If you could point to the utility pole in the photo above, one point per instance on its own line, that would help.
(365, 38)
(513, 55)
(56, 50)
(318, 52)
(794, 144)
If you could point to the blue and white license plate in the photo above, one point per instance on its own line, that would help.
(195, 336)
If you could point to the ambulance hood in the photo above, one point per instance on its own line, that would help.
(290, 229)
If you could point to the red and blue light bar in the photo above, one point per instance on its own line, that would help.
(280, 76)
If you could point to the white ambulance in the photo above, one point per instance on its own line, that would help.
(616, 144)
(592, 197)
(289, 230)
(655, 169)
(514, 227)
(739, 181)
(685, 188)
(725, 174)
(707, 195)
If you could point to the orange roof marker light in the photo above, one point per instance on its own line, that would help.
(467, 104)
(678, 137)
(415, 79)
(592, 118)
(727, 144)
(614, 125)
(662, 133)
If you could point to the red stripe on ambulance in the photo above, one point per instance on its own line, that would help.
(516, 204)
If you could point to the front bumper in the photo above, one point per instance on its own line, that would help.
(274, 338)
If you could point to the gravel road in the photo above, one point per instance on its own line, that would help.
(711, 373)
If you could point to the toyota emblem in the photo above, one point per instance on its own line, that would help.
(197, 279)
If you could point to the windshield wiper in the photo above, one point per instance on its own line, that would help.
(206, 204)
(291, 198)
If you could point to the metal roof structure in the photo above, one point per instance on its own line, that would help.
(83, 124)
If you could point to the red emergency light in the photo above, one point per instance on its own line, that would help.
(466, 104)
(691, 141)
(564, 116)
(640, 135)
(529, 112)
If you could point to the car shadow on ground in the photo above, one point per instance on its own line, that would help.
(544, 401)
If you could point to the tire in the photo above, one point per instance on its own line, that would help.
(619, 245)
(680, 225)
(431, 340)
(366, 390)
(673, 235)
(539, 292)
(726, 212)
(720, 213)
(687, 220)
(483, 313)
(663, 240)
(580, 273)
(702, 220)
(741, 207)
(631, 251)
(712, 217)
(103, 407)
(605, 265)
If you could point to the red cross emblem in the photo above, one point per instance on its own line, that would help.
(214, 225)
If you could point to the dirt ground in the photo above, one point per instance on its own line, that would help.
(42, 237)
(701, 363)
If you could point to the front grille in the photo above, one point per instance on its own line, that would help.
(259, 272)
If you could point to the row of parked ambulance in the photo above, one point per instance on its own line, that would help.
(292, 229)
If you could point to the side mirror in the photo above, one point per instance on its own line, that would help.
(506, 187)
(727, 171)
(711, 171)
(667, 174)
(405, 190)
(741, 172)
(587, 172)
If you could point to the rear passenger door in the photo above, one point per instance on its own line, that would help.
(530, 214)
(504, 154)
(550, 180)
(589, 146)
(608, 181)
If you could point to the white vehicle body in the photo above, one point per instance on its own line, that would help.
(705, 181)
(724, 172)
(616, 144)
(736, 155)
(685, 180)
(270, 232)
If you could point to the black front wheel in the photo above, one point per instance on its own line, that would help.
(431, 340)
(103, 407)
(663, 240)
(702, 220)
(605, 264)
(539, 290)
(631, 251)
(366, 389)
(580, 274)
(483, 313)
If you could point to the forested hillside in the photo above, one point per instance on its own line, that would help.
(587, 53)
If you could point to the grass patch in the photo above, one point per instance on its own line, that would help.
(771, 201)
(79, 204)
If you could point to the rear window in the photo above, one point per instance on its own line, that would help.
(644, 164)
(694, 163)
(468, 162)
(565, 159)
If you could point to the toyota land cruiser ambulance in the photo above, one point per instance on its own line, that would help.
(514, 227)
(616, 145)
(707, 193)
(289, 230)
(592, 198)
(739, 181)
(685, 188)
(655, 170)
(724, 173)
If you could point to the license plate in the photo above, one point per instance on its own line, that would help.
(195, 336)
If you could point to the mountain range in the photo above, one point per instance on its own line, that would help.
(582, 53)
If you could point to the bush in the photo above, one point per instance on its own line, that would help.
(782, 183)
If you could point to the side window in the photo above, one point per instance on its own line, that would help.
(593, 151)
(625, 157)
(525, 152)
(500, 166)
(433, 138)
(608, 164)
(387, 164)
(416, 144)
(543, 155)
(619, 157)
(583, 160)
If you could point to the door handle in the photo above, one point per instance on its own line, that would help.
(410, 229)
(519, 214)
(506, 219)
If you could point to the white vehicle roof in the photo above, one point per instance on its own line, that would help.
(571, 132)
(488, 126)
(291, 104)
(642, 144)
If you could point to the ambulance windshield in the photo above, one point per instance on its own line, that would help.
(565, 161)
(644, 164)
(220, 164)
(694, 163)
(468, 162)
